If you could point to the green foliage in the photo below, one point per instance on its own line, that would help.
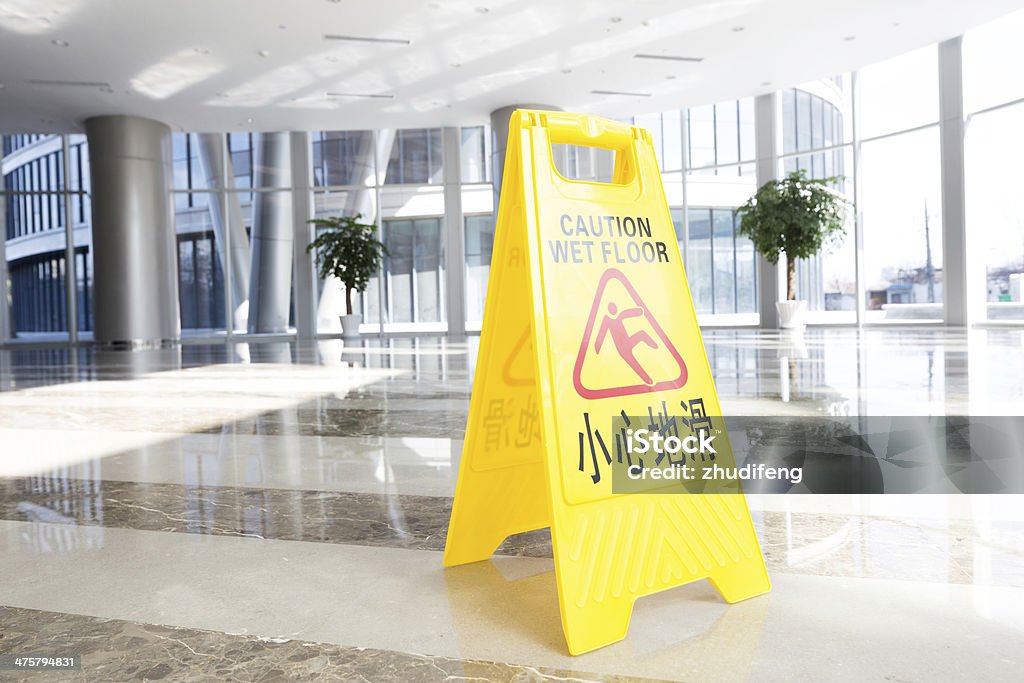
(795, 215)
(349, 250)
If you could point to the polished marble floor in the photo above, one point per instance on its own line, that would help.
(273, 511)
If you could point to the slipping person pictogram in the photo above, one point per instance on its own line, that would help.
(614, 324)
(665, 368)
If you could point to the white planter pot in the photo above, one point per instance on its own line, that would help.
(791, 314)
(350, 325)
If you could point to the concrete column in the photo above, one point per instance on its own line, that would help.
(499, 131)
(302, 213)
(455, 234)
(135, 283)
(227, 216)
(270, 275)
(769, 288)
(963, 287)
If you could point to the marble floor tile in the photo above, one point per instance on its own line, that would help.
(266, 508)
(115, 650)
(956, 551)
(505, 610)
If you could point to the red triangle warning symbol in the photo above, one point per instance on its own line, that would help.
(517, 370)
(621, 332)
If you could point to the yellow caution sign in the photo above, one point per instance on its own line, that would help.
(588, 322)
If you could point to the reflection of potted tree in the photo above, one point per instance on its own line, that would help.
(349, 250)
(796, 216)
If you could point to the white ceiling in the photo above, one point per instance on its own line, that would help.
(207, 65)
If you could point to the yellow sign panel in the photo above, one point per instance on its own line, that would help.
(588, 318)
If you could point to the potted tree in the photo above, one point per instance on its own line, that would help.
(796, 216)
(348, 249)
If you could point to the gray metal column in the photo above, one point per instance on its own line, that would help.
(270, 275)
(5, 313)
(766, 112)
(961, 283)
(302, 213)
(135, 284)
(455, 234)
(70, 264)
(227, 216)
(860, 270)
(499, 133)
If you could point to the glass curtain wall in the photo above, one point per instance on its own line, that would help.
(994, 146)
(43, 195)
(478, 218)
(402, 173)
(900, 191)
(201, 279)
(817, 139)
(720, 175)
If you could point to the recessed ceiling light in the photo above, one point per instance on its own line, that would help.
(372, 96)
(249, 120)
(737, 29)
(60, 43)
(200, 50)
(849, 38)
(263, 53)
(620, 92)
(674, 58)
(2, 86)
(567, 71)
(614, 20)
(68, 84)
(367, 39)
(482, 10)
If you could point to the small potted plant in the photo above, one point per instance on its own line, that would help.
(796, 216)
(348, 249)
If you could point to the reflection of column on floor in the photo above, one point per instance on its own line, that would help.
(6, 369)
(212, 156)
(270, 275)
(369, 171)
